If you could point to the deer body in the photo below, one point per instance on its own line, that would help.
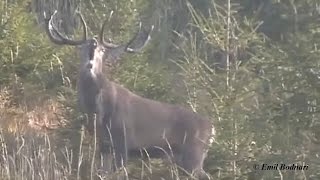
(161, 123)
(127, 122)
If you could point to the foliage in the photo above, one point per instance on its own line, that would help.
(265, 106)
(19, 37)
(251, 66)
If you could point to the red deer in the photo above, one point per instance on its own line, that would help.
(128, 121)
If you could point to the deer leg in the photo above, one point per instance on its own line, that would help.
(120, 149)
(105, 145)
(90, 123)
(106, 156)
(192, 160)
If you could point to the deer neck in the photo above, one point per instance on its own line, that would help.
(89, 87)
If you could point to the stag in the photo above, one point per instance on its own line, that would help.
(128, 122)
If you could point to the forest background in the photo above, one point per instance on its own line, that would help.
(251, 66)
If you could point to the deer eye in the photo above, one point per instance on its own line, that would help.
(94, 44)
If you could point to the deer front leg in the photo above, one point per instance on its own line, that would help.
(105, 148)
(120, 149)
(112, 147)
(89, 124)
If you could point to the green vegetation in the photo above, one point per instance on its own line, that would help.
(250, 66)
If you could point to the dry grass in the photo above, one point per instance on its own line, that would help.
(38, 156)
(20, 112)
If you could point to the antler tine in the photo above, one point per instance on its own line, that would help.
(101, 35)
(127, 49)
(49, 28)
(61, 40)
(84, 26)
(145, 40)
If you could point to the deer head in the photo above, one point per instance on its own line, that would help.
(94, 52)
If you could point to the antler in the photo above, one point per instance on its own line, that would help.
(101, 35)
(139, 41)
(136, 44)
(60, 39)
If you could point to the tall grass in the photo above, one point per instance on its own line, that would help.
(37, 156)
(26, 157)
